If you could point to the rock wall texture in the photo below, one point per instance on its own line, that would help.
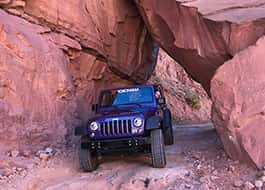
(36, 90)
(111, 30)
(55, 59)
(230, 10)
(238, 93)
(187, 100)
(200, 45)
(202, 42)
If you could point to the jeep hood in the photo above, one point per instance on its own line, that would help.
(125, 111)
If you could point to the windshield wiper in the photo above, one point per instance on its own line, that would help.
(131, 104)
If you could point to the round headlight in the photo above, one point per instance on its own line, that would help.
(137, 122)
(94, 126)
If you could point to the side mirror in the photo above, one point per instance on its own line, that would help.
(94, 107)
(161, 101)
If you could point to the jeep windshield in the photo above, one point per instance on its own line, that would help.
(126, 97)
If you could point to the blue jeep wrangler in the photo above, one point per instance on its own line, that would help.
(127, 119)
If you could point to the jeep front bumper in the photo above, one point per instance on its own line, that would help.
(118, 145)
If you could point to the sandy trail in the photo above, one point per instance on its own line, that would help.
(196, 154)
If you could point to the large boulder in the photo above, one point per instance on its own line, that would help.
(199, 44)
(230, 10)
(37, 105)
(111, 30)
(238, 94)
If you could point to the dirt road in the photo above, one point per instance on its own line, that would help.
(195, 161)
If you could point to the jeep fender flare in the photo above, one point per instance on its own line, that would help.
(167, 118)
(80, 131)
(153, 122)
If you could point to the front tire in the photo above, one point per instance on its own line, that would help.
(167, 125)
(158, 149)
(87, 158)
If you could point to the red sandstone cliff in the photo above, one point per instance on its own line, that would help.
(55, 58)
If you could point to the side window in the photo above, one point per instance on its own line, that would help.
(107, 99)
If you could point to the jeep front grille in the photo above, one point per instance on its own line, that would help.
(116, 127)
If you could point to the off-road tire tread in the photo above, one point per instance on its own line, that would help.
(88, 161)
(168, 130)
(158, 149)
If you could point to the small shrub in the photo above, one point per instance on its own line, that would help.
(192, 99)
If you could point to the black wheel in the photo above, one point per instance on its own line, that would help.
(87, 158)
(158, 149)
(167, 126)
